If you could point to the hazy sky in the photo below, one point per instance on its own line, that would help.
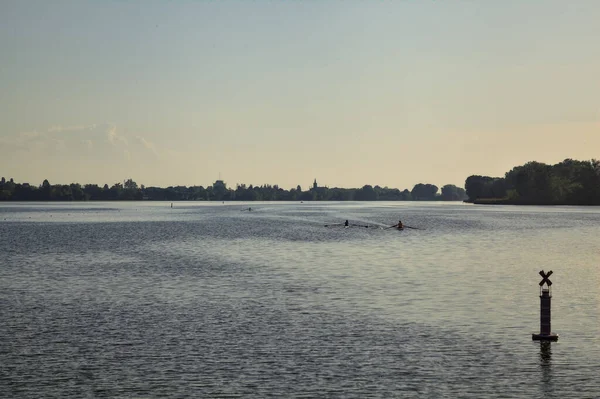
(351, 93)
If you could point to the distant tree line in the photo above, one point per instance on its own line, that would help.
(129, 190)
(569, 182)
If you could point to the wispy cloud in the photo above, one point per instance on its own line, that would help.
(71, 128)
(94, 140)
(24, 141)
(148, 145)
(114, 138)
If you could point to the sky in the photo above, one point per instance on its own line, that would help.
(389, 93)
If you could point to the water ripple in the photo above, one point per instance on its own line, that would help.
(208, 301)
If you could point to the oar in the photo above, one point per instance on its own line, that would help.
(391, 227)
(359, 225)
(335, 224)
(409, 227)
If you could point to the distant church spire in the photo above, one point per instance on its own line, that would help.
(315, 184)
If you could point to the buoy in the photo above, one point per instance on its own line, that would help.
(546, 333)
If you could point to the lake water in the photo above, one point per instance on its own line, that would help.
(211, 300)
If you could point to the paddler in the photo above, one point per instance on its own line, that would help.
(400, 226)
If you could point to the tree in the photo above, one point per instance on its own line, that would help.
(452, 193)
(533, 182)
(308, 196)
(92, 191)
(46, 190)
(406, 195)
(476, 186)
(130, 191)
(77, 193)
(569, 182)
(114, 193)
(129, 184)
(219, 189)
(366, 193)
(424, 192)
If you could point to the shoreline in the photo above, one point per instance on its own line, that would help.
(506, 201)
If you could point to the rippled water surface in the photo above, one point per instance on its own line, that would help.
(211, 300)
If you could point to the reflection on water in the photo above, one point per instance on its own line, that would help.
(546, 383)
(545, 354)
(145, 300)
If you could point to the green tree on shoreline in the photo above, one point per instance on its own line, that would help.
(569, 182)
(129, 190)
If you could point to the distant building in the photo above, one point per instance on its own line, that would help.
(315, 184)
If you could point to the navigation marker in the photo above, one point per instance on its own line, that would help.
(546, 333)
